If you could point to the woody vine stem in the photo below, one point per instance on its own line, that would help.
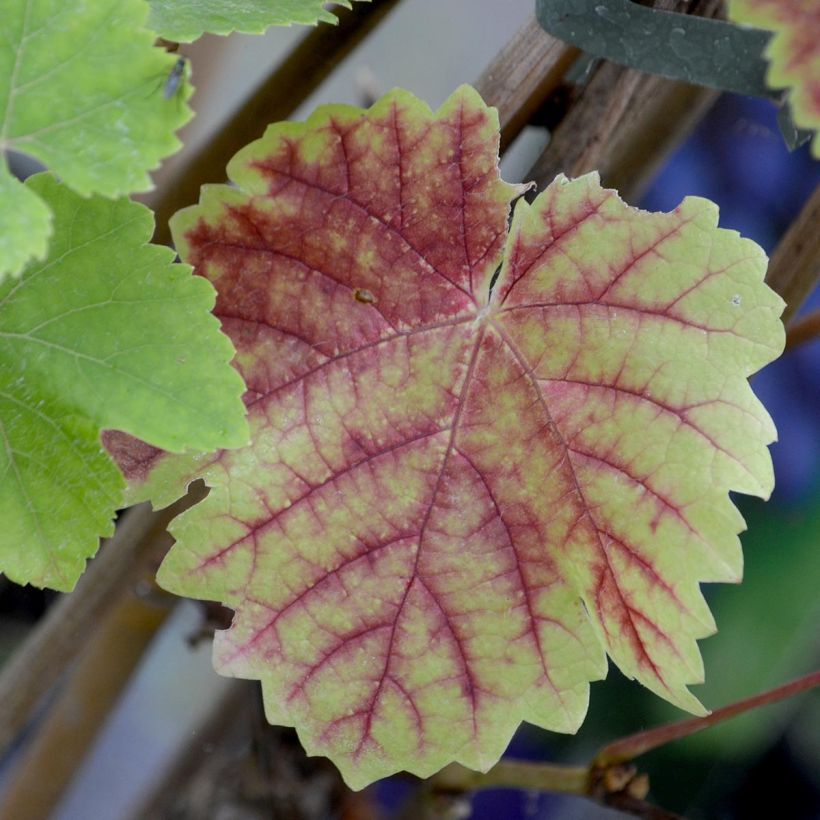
(609, 778)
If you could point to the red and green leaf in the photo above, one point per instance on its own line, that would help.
(461, 495)
(794, 52)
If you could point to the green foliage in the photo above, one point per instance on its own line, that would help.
(80, 91)
(186, 20)
(105, 333)
(25, 224)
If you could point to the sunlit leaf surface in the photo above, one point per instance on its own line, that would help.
(186, 20)
(106, 332)
(81, 91)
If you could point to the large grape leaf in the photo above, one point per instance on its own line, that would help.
(459, 498)
(81, 90)
(794, 53)
(107, 332)
(187, 20)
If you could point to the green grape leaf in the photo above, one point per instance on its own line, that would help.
(794, 53)
(82, 91)
(25, 225)
(461, 495)
(186, 20)
(105, 333)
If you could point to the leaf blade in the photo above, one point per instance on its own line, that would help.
(409, 486)
(25, 225)
(80, 91)
(645, 374)
(90, 339)
(186, 20)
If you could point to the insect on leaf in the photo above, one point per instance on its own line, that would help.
(794, 53)
(186, 20)
(458, 501)
(81, 92)
(106, 332)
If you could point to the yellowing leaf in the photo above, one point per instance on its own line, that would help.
(460, 497)
(794, 52)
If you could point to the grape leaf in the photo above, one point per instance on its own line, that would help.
(186, 20)
(25, 225)
(107, 332)
(680, 46)
(81, 90)
(794, 53)
(459, 497)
